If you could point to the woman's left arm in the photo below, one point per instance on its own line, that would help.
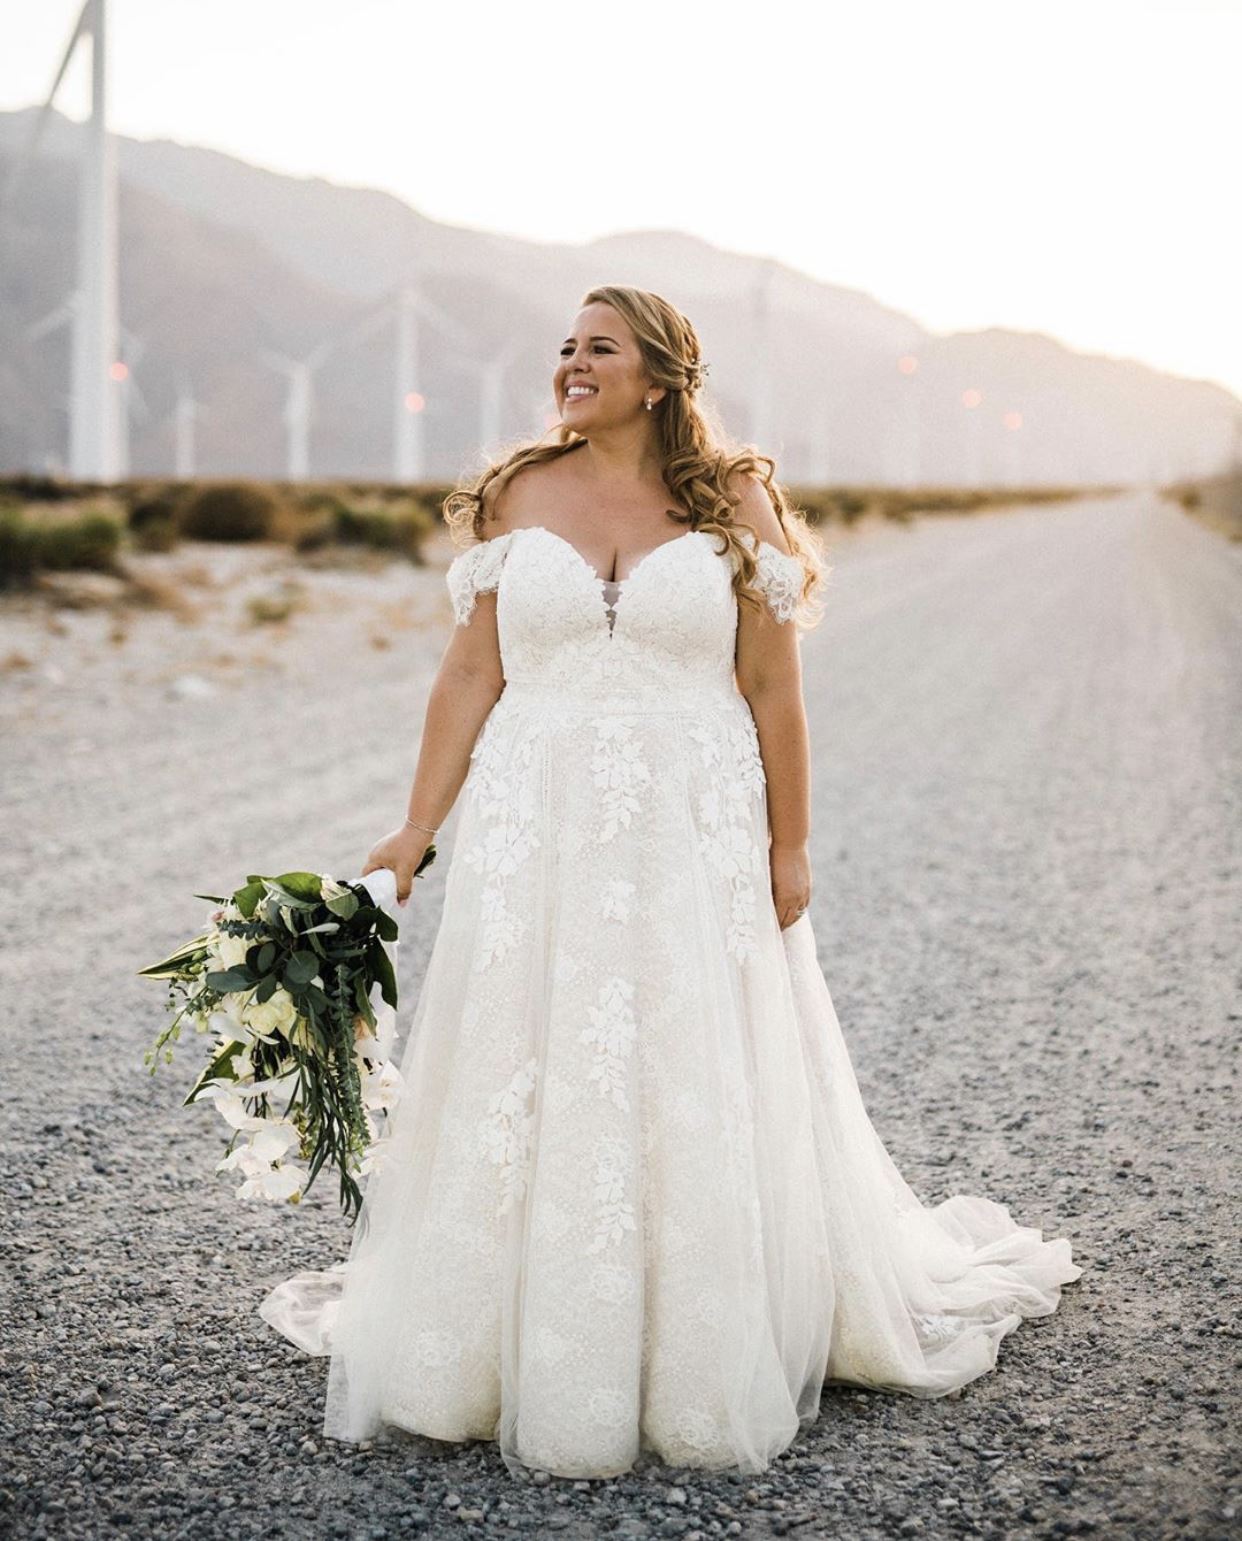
(769, 675)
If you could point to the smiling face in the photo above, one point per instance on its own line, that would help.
(600, 380)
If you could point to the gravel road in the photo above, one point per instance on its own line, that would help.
(1026, 729)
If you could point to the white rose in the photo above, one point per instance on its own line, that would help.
(277, 1014)
(231, 950)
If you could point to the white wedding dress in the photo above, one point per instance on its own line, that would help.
(631, 1199)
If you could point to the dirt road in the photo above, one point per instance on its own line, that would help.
(1027, 850)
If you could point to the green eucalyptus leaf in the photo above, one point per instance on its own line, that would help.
(302, 967)
(225, 981)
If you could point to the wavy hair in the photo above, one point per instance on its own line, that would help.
(699, 458)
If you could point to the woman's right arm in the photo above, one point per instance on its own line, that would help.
(467, 685)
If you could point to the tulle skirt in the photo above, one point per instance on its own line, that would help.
(631, 1198)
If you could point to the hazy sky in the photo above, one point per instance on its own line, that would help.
(1062, 167)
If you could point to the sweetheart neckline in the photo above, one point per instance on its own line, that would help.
(619, 582)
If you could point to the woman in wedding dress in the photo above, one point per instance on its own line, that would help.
(631, 1199)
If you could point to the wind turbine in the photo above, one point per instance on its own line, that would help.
(185, 415)
(133, 403)
(492, 395)
(299, 376)
(95, 401)
(408, 438)
(411, 308)
(491, 377)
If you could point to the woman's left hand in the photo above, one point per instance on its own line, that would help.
(791, 881)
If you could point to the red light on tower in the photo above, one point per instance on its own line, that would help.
(1012, 419)
(414, 402)
(118, 371)
(971, 398)
(907, 363)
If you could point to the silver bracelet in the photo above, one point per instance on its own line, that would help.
(412, 824)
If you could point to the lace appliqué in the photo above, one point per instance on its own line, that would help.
(620, 772)
(614, 1212)
(506, 1133)
(615, 895)
(437, 1349)
(473, 572)
(729, 751)
(613, 1031)
(614, 1285)
(935, 1327)
(779, 577)
(505, 792)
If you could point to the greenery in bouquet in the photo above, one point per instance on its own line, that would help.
(284, 981)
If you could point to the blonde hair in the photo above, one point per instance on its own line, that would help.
(698, 457)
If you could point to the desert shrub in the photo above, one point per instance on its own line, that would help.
(307, 521)
(28, 487)
(154, 518)
(399, 528)
(17, 555)
(228, 511)
(311, 530)
(89, 540)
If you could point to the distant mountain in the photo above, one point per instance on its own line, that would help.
(221, 260)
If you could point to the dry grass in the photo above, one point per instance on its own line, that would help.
(846, 505)
(1216, 502)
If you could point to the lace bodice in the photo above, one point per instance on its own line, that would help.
(669, 627)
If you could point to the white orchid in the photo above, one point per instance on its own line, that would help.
(382, 1088)
(279, 1184)
(231, 1104)
(224, 1024)
(378, 1149)
(260, 1160)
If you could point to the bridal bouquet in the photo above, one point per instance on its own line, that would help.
(284, 980)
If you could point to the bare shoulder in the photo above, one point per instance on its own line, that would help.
(755, 509)
(495, 506)
(524, 497)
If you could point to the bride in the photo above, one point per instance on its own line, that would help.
(631, 1199)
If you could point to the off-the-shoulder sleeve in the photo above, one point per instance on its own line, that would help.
(473, 572)
(779, 579)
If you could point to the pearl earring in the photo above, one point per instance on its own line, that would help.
(648, 403)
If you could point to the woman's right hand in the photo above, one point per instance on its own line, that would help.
(401, 852)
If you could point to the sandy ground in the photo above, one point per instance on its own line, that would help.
(1026, 730)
